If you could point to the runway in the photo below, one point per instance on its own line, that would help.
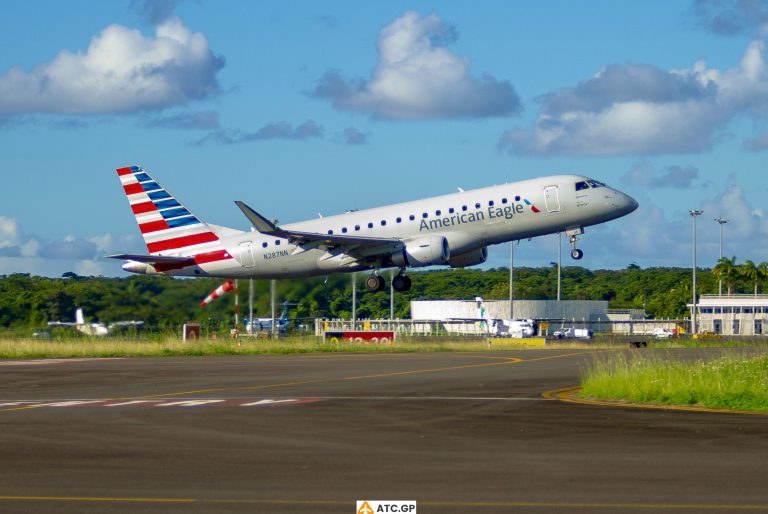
(457, 432)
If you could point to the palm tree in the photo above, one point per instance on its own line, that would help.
(762, 271)
(748, 270)
(726, 270)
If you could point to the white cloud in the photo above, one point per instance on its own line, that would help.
(640, 109)
(417, 78)
(732, 17)
(121, 71)
(643, 174)
(24, 253)
(278, 130)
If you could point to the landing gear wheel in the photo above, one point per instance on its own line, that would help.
(374, 284)
(576, 254)
(401, 283)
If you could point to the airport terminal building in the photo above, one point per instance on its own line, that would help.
(739, 314)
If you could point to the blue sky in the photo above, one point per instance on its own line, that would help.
(299, 108)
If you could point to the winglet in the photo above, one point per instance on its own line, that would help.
(258, 221)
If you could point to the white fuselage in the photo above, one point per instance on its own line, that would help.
(469, 221)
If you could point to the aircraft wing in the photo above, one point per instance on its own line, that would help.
(62, 324)
(153, 259)
(265, 226)
(125, 324)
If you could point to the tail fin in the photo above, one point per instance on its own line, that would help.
(79, 318)
(164, 222)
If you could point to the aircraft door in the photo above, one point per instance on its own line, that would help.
(247, 258)
(551, 199)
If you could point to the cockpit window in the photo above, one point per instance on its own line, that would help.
(580, 186)
(596, 183)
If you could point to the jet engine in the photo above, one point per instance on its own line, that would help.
(478, 256)
(423, 251)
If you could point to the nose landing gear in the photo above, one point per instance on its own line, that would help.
(573, 234)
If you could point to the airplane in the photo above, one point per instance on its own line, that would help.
(501, 327)
(453, 229)
(265, 324)
(93, 329)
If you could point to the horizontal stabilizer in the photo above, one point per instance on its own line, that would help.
(152, 259)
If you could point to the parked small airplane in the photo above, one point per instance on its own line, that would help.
(499, 327)
(265, 324)
(93, 329)
(453, 230)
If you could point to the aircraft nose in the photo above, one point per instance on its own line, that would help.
(622, 202)
(630, 203)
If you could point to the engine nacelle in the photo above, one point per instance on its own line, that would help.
(424, 251)
(478, 256)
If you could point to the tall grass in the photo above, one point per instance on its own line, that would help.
(738, 382)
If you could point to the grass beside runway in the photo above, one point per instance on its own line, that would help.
(735, 382)
(116, 347)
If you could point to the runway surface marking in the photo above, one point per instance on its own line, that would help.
(569, 395)
(246, 402)
(500, 361)
(505, 361)
(662, 507)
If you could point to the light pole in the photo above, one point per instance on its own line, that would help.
(559, 256)
(721, 222)
(511, 280)
(693, 214)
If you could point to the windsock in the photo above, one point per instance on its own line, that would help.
(223, 288)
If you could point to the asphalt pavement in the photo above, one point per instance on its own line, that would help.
(456, 432)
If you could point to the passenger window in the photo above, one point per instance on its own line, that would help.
(437, 212)
(463, 207)
(451, 210)
(581, 186)
(277, 242)
(357, 227)
(424, 215)
(490, 203)
(411, 217)
(399, 219)
(370, 225)
(517, 198)
(330, 232)
(477, 205)
(383, 222)
(503, 200)
(343, 230)
(264, 245)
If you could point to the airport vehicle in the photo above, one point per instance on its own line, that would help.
(663, 333)
(265, 324)
(573, 333)
(93, 329)
(453, 229)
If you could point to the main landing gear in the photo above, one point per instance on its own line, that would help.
(375, 282)
(573, 234)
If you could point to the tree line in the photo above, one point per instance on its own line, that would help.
(164, 303)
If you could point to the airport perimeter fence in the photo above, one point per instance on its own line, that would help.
(474, 329)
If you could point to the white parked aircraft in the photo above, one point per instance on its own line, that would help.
(93, 329)
(453, 229)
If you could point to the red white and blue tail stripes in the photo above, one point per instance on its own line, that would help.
(167, 226)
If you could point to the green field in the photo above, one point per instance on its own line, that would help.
(736, 382)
